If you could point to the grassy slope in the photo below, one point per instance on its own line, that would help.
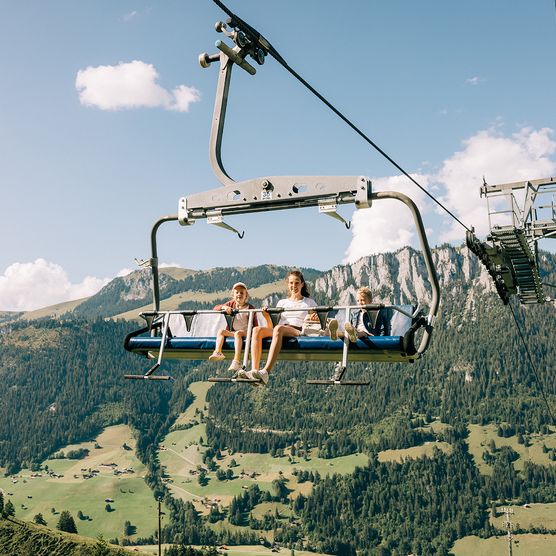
(18, 538)
(528, 544)
(133, 500)
(426, 450)
(181, 452)
(536, 516)
(480, 437)
(54, 311)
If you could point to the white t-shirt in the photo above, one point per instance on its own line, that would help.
(295, 318)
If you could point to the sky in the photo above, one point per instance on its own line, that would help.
(105, 121)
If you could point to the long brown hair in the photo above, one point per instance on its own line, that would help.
(304, 290)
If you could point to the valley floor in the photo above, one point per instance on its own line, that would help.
(107, 486)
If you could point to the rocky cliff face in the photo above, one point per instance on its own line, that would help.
(402, 278)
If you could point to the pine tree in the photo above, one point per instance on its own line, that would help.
(39, 519)
(9, 509)
(66, 523)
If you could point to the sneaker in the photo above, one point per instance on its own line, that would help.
(217, 356)
(261, 376)
(351, 332)
(235, 366)
(333, 327)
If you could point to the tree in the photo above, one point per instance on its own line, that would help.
(202, 477)
(280, 489)
(39, 519)
(1, 504)
(66, 523)
(9, 509)
(129, 529)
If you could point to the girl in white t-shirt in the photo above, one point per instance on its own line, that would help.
(290, 324)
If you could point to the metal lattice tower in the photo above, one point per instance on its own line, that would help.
(519, 216)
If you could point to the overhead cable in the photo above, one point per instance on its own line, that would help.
(539, 383)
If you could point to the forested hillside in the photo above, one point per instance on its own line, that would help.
(63, 382)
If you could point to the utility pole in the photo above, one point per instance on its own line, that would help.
(159, 527)
(508, 523)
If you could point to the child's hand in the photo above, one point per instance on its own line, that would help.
(228, 309)
(264, 309)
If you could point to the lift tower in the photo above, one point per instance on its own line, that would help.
(520, 214)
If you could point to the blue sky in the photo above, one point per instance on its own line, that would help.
(451, 90)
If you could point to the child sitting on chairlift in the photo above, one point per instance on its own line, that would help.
(361, 325)
(239, 325)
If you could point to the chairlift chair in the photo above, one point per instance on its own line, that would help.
(157, 340)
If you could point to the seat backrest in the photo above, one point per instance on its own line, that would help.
(208, 325)
(399, 323)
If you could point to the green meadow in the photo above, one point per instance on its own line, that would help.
(525, 545)
(181, 452)
(426, 450)
(528, 517)
(132, 499)
(481, 436)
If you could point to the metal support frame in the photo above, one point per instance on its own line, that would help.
(511, 251)
(274, 192)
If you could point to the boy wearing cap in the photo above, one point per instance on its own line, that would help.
(238, 302)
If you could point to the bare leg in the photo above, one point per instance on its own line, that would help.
(277, 336)
(220, 338)
(238, 343)
(259, 333)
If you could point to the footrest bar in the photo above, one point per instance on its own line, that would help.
(147, 377)
(224, 379)
(339, 382)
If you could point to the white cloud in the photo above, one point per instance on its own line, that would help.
(129, 16)
(524, 155)
(125, 272)
(130, 85)
(473, 80)
(387, 226)
(28, 286)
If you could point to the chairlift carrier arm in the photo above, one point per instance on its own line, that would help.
(275, 192)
